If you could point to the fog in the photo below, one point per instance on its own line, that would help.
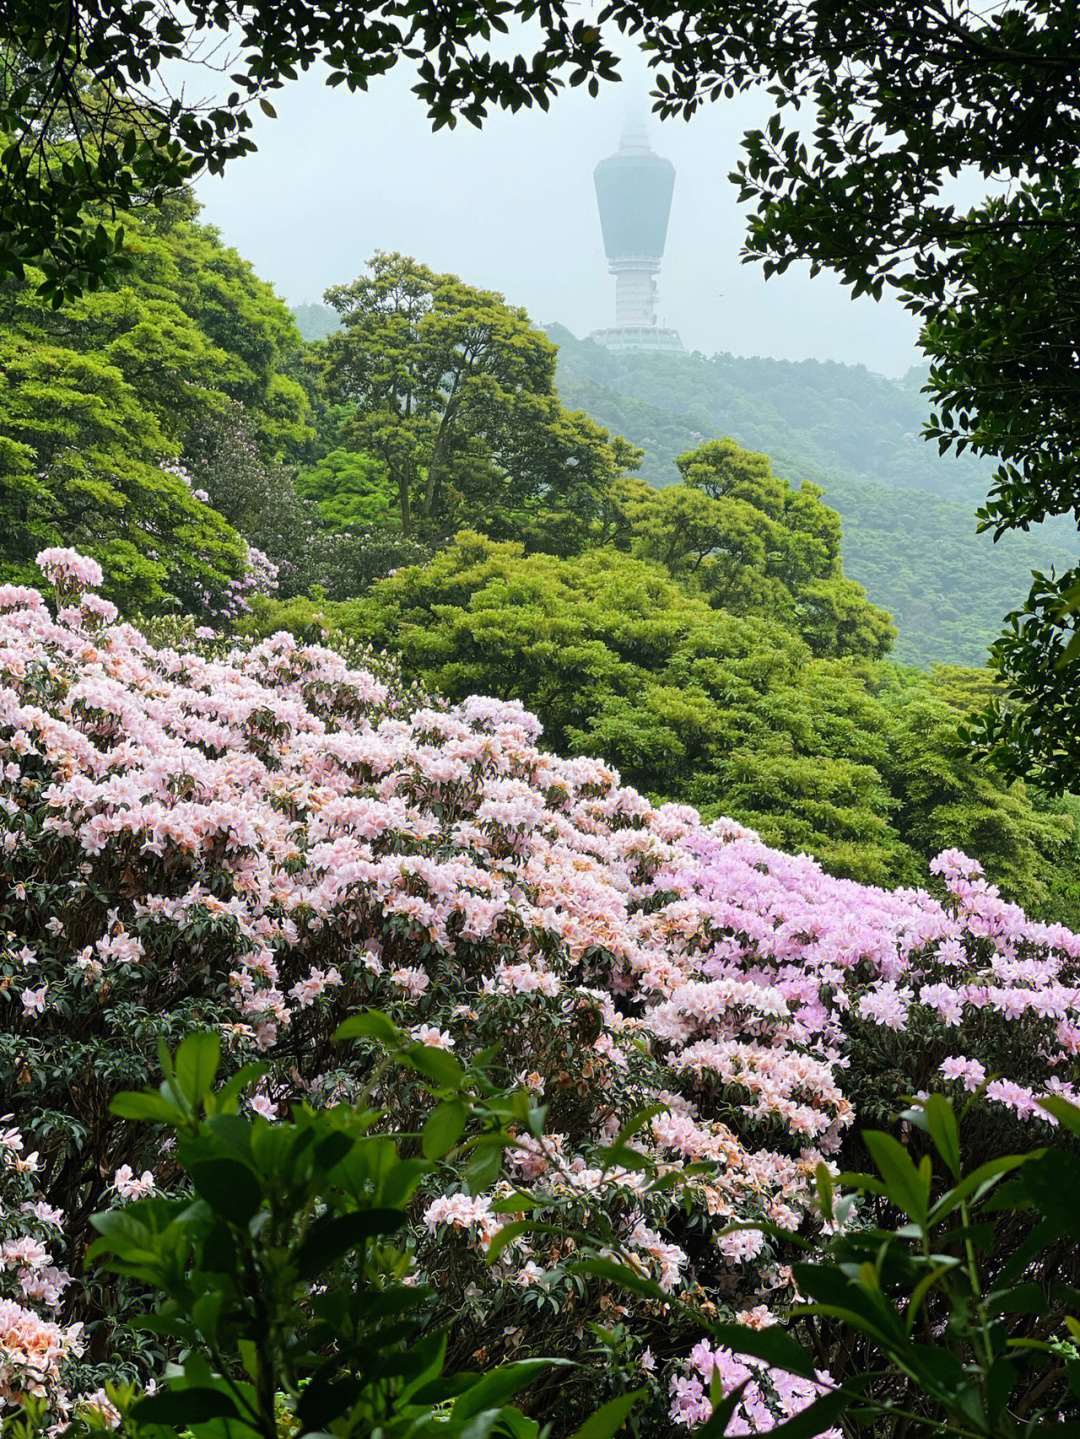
(512, 208)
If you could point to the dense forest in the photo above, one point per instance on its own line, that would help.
(909, 530)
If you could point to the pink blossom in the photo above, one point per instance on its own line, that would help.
(131, 1186)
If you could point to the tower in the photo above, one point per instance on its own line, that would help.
(633, 193)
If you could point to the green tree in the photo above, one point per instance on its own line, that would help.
(906, 511)
(111, 405)
(349, 489)
(85, 463)
(751, 544)
(454, 393)
(900, 98)
(946, 801)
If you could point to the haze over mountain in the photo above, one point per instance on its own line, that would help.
(512, 208)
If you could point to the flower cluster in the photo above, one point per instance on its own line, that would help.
(265, 838)
(769, 1396)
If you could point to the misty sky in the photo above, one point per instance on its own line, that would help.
(512, 208)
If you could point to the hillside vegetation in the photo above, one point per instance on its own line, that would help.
(908, 514)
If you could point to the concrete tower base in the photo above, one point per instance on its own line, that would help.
(639, 340)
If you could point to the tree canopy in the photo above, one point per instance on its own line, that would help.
(453, 391)
(751, 544)
(107, 403)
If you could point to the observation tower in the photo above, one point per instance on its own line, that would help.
(633, 192)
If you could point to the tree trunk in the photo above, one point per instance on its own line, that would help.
(403, 500)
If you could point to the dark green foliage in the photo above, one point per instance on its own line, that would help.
(944, 1301)
(1031, 728)
(818, 416)
(1005, 381)
(279, 1278)
(82, 463)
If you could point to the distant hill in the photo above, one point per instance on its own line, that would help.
(315, 322)
(909, 528)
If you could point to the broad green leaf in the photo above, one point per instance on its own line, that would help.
(223, 1100)
(1020, 1299)
(498, 1385)
(435, 1064)
(145, 1104)
(825, 1190)
(180, 1408)
(976, 1184)
(905, 1186)
(944, 1131)
(369, 1024)
(332, 1236)
(230, 1188)
(1066, 1114)
(443, 1128)
(483, 1167)
(610, 1417)
(197, 1064)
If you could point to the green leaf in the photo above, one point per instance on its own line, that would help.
(496, 1387)
(435, 1064)
(610, 1417)
(230, 1188)
(979, 1182)
(483, 1167)
(197, 1064)
(620, 1274)
(1052, 1181)
(370, 1024)
(145, 1104)
(1020, 1299)
(905, 1186)
(944, 1131)
(444, 1127)
(773, 1345)
(331, 1236)
(223, 1100)
(180, 1408)
(825, 1190)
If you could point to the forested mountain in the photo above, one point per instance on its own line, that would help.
(909, 531)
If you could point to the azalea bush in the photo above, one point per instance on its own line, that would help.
(261, 838)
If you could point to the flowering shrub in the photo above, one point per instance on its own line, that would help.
(261, 839)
